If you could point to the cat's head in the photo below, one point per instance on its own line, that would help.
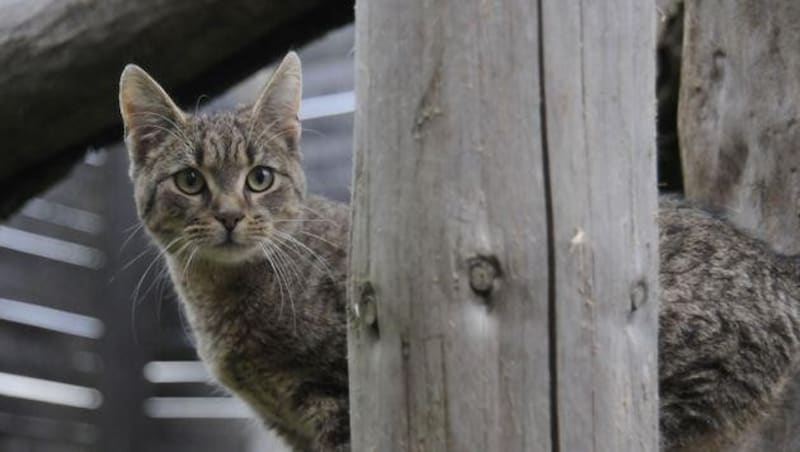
(215, 186)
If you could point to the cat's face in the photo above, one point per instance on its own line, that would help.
(220, 187)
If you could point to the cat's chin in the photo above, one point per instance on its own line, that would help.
(229, 253)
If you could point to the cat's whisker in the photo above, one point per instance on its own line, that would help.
(281, 257)
(281, 275)
(295, 254)
(164, 272)
(131, 233)
(276, 275)
(138, 297)
(316, 262)
(286, 268)
(161, 252)
(303, 220)
(321, 260)
(189, 261)
(320, 238)
(134, 259)
(291, 265)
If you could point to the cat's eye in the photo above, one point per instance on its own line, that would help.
(190, 181)
(260, 178)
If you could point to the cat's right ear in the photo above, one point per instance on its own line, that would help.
(147, 111)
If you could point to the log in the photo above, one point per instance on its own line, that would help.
(503, 291)
(61, 61)
(738, 122)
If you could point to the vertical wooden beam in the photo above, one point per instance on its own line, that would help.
(503, 266)
(739, 130)
(738, 114)
(599, 80)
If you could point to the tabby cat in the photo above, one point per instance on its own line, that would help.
(260, 266)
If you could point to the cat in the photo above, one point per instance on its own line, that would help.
(729, 329)
(260, 268)
(258, 264)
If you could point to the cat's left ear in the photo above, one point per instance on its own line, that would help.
(148, 112)
(278, 105)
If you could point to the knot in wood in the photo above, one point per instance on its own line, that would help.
(483, 270)
(638, 295)
(369, 306)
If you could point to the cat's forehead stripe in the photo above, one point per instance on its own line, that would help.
(222, 141)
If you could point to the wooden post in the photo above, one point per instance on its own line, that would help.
(738, 121)
(504, 248)
(738, 116)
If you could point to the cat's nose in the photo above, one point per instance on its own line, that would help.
(229, 219)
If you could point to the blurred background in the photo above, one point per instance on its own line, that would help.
(94, 353)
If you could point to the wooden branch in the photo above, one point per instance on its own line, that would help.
(504, 248)
(61, 62)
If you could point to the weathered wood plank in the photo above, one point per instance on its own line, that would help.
(738, 120)
(448, 174)
(599, 87)
(738, 114)
(503, 292)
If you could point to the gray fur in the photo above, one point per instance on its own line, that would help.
(729, 329)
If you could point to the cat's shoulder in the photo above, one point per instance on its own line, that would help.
(676, 215)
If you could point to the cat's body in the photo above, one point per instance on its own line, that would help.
(260, 268)
(729, 335)
(279, 341)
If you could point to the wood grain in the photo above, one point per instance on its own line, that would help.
(472, 167)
